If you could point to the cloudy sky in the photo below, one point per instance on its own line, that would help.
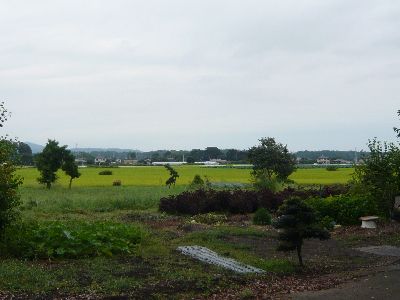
(182, 74)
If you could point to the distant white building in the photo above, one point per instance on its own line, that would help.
(100, 160)
(322, 160)
(172, 163)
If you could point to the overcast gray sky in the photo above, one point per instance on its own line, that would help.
(182, 74)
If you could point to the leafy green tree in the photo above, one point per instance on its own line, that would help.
(297, 222)
(9, 181)
(173, 176)
(271, 161)
(132, 155)
(49, 161)
(190, 160)
(379, 175)
(24, 154)
(212, 153)
(70, 167)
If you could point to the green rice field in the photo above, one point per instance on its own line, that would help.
(157, 175)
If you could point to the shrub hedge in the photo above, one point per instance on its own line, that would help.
(105, 172)
(344, 209)
(238, 201)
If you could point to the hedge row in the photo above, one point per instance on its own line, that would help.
(238, 201)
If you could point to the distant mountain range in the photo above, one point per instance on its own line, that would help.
(36, 148)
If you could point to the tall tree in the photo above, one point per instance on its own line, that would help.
(9, 181)
(212, 153)
(24, 154)
(271, 161)
(70, 167)
(49, 161)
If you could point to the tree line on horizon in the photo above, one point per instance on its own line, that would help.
(27, 158)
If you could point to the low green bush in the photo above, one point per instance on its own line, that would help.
(344, 209)
(331, 168)
(117, 183)
(262, 217)
(44, 240)
(105, 172)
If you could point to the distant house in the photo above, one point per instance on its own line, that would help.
(100, 160)
(323, 160)
(129, 162)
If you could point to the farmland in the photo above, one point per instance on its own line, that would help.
(151, 268)
(156, 176)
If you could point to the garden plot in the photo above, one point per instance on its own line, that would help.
(206, 255)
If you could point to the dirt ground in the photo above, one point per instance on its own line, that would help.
(384, 284)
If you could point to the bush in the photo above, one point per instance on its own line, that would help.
(262, 217)
(331, 168)
(105, 172)
(69, 240)
(117, 183)
(344, 209)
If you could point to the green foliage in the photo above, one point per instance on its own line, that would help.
(200, 183)
(33, 240)
(379, 176)
(117, 182)
(106, 172)
(344, 209)
(70, 167)
(49, 161)
(9, 181)
(327, 222)
(190, 160)
(24, 154)
(262, 217)
(263, 182)
(271, 161)
(331, 168)
(173, 176)
(297, 222)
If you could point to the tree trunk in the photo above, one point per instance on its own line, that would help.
(70, 182)
(298, 248)
(48, 185)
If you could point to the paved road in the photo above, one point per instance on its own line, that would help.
(383, 285)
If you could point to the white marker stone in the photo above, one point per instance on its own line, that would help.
(206, 255)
